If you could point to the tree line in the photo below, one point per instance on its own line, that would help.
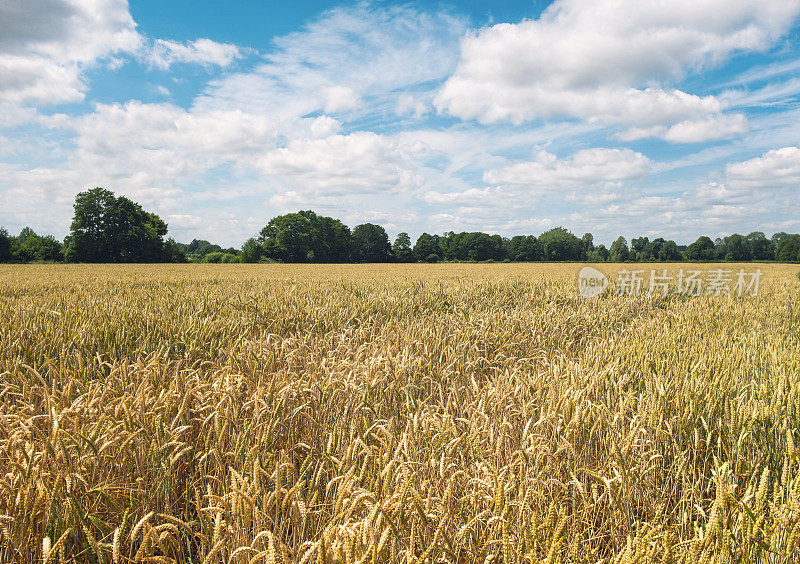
(109, 228)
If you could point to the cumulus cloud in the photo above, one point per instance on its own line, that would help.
(359, 162)
(167, 139)
(584, 59)
(547, 172)
(776, 168)
(165, 53)
(46, 44)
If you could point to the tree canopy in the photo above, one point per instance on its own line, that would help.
(305, 237)
(107, 228)
(370, 243)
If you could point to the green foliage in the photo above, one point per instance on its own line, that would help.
(252, 251)
(218, 257)
(106, 228)
(702, 249)
(788, 248)
(733, 248)
(588, 242)
(599, 254)
(370, 243)
(401, 249)
(558, 244)
(306, 237)
(428, 248)
(199, 248)
(174, 252)
(525, 248)
(619, 250)
(759, 247)
(638, 249)
(669, 252)
(5, 246)
(35, 248)
(474, 246)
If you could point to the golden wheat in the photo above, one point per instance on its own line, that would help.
(414, 413)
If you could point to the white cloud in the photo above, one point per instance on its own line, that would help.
(359, 162)
(46, 44)
(167, 140)
(776, 168)
(472, 196)
(339, 98)
(602, 60)
(165, 53)
(589, 166)
(355, 58)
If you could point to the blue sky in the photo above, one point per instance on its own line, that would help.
(645, 117)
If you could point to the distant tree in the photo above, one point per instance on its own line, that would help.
(652, 249)
(702, 249)
(401, 249)
(106, 228)
(370, 243)
(599, 254)
(5, 246)
(306, 237)
(199, 248)
(638, 246)
(213, 258)
(733, 248)
(588, 243)
(252, 251)
(174, 252)
(475, 246)
(759, 247)
(25, 234)
(427, 248)
(524, 248)
(788, 248)
(41, 249)
(619, 250)
(669, 252)
(335, 242)
(558, 244)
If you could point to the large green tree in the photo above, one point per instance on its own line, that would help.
(525, 248)
(305, 237)
(401, 249)
(788, 248)
(669, 252)
(558, 244)
(428, 248)
(370, 243)
(619, 250)
(107, 228)
(759, 247)
(733, 248)
(475, 246)
(5, 246)
(702, 249)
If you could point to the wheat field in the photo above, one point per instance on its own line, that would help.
(393, 413)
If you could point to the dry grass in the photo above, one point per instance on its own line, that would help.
(421, 413)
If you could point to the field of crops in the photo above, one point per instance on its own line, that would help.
(398, 413)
